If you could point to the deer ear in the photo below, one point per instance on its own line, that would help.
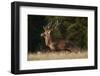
(49, 31)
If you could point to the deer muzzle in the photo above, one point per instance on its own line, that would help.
(42, 34)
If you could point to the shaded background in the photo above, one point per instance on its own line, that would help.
(72, 29)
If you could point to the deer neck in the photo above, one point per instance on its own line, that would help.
(49, 43)
(48, 40)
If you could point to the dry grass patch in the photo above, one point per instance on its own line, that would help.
(57, 55)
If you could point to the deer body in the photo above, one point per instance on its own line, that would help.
(59, 44)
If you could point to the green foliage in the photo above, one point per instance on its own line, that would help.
(56, 34)
(72, 29)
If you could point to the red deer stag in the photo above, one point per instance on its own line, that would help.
(53, 45)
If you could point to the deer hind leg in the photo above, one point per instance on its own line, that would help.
(70, 51)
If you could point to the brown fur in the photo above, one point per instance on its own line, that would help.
(53, 44)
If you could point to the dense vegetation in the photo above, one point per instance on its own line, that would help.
(72, 29)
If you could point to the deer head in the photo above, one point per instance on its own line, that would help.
(47, 33)
(49, 28)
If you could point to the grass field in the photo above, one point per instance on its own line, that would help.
(57, 55)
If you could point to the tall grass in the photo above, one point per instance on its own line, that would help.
(57, 55)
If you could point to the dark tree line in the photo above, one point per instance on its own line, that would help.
(72, 29)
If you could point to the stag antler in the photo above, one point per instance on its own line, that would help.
(51, 26)
(55, 25)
